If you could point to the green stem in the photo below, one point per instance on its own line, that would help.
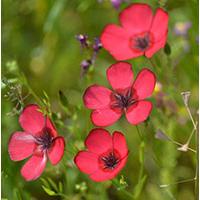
(153, 65)
(190, 114)
(141, 177)
(178, 182)
(128, 194)
(35, 95)
(138, 131)
(116, 184)
(31, 91)
(63, 195)
(179, 144)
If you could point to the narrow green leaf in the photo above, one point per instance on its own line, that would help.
(139, 187)
(17, 194)
(45, 182)
(141, 153)
(53, 184)
(60, 186)
(45, 95)
(49, 191)
(63, 99)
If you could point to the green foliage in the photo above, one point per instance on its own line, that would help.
(167, 49)
(52, 188)
(41, 64)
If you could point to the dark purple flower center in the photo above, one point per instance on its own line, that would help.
(141, 42)
(45, 140)
(123, 100)
(110, 161)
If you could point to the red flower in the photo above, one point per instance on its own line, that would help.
(141, 32)
(38, 140)
(105, 156)
(128, 96)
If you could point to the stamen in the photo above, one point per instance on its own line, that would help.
(110, 161)
(123, 100)
(141, 42)
(45, 140)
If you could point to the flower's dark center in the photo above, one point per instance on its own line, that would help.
(110, 161)
(123, 100)
(141, 42)
(45, 140)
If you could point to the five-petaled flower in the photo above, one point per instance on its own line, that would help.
(105, 156)
(141, 32)
(38, 140)
(128, 96)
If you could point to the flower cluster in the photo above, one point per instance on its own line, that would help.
(94, 48)
(140, 33)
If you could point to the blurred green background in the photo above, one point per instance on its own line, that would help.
(38, 40)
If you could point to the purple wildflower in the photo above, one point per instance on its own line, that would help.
(182, 28)
(83, 39)
(160, 135)
(85, 64)
(97, 44)
(116, 3)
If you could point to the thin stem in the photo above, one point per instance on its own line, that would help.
(63, 195)
(179, 144)
(153, 65)
(190, 137)
(115, 183)
(189, 112)
(138, 131)
(182, 181)
(35, 95)
(141, 159)
(31, 91)
(128, 194)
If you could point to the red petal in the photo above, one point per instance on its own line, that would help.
(31, 119)
(119, 143)
(86, 161)
(116, 40)
(136, 18)
(34, 167)
(51, 126)
(144, 84)
(21, 145)
(98, 141)
(97, 97)
(156, 47)
(138, 112)
(105, 117)
(101, 175)
(56, 152)
(160, 25)
(120, 75)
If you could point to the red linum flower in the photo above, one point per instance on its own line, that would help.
(140, 33)
(128, 96)
(105, 156)
(38, 140)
